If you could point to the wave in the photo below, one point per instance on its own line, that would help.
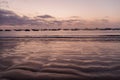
(36, 71)
(67, 38)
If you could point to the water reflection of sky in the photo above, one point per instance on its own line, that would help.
(29, 49)
(80, 55)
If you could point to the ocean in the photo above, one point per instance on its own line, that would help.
(60, 56)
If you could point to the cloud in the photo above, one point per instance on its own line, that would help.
(45, 16)
(47, 21)
(10, 18)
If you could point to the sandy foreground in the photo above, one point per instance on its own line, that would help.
(42, 59)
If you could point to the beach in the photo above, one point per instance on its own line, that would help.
(59, 39)
(80, 58)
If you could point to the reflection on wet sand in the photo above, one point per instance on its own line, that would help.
(42, 59)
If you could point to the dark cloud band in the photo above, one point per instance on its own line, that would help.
(10, 18)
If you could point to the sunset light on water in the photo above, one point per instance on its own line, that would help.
(59, 40)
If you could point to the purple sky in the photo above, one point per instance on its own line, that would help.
(81, 13)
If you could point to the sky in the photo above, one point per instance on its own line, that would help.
(85, 10)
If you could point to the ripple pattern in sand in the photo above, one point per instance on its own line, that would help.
(59, 60)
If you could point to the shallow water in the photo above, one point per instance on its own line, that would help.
(93, 58)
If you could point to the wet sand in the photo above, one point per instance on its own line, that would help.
(42, 59)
